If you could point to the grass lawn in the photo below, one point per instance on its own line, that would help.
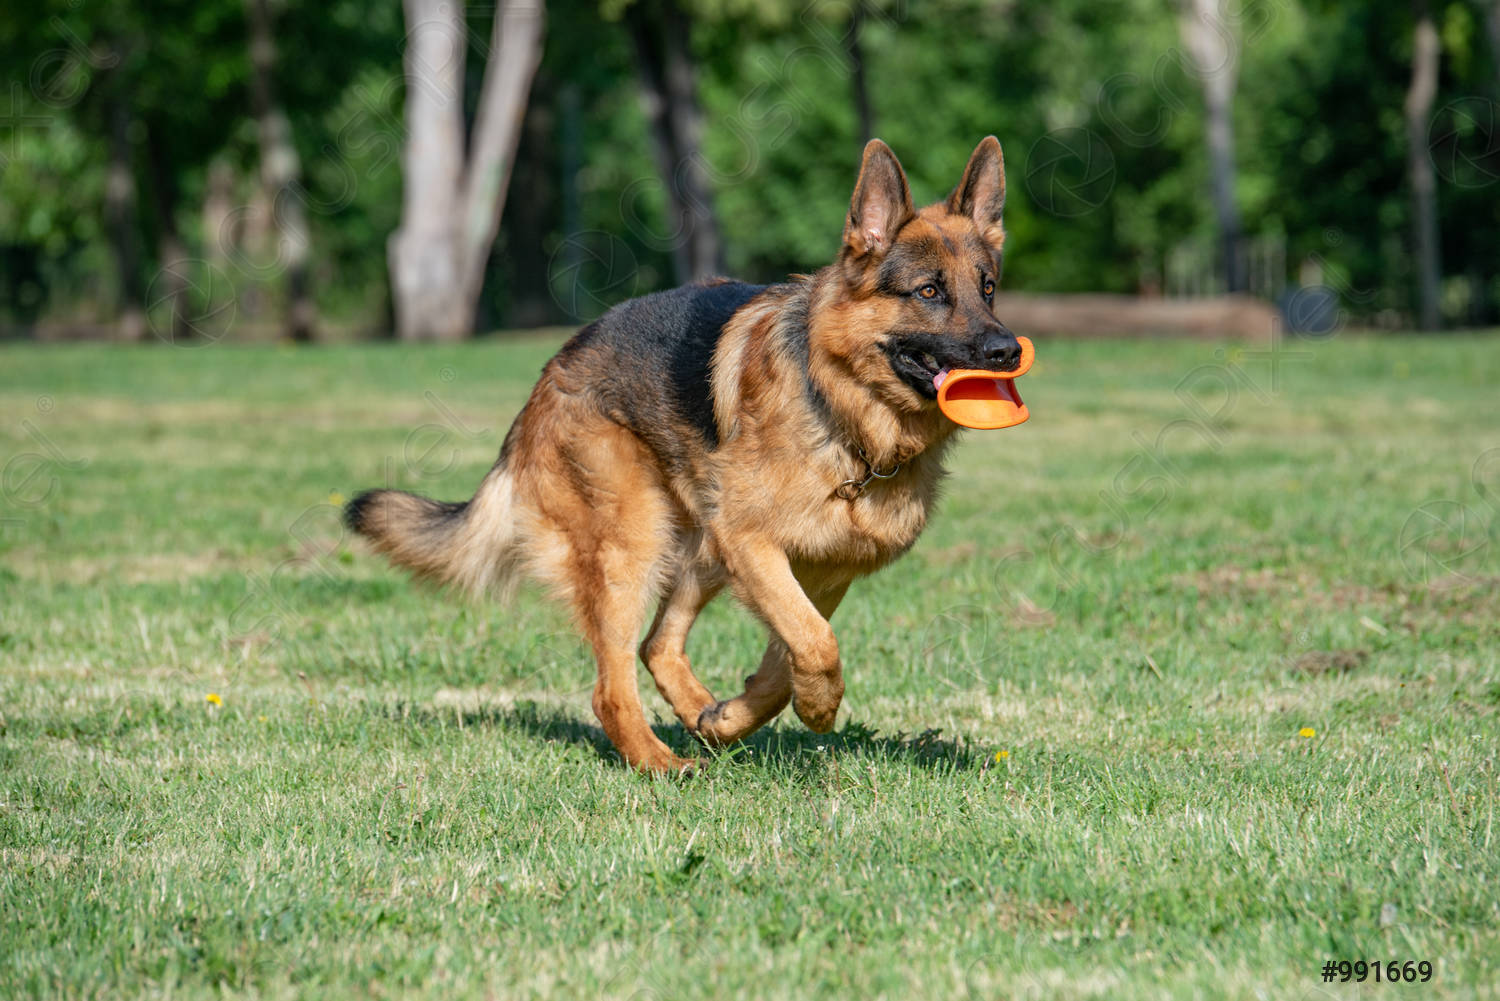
(1192, 686)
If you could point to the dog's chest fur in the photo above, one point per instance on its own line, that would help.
(814, 525)
(878, 526)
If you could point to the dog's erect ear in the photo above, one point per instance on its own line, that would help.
(981, 194)
(881, 204)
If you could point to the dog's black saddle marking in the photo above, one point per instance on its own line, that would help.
(661, 347)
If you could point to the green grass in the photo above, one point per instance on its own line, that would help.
(406, 796)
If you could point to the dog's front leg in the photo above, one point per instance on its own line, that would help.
(665, 647)
(804, 661)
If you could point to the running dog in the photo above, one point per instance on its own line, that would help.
(780, 440)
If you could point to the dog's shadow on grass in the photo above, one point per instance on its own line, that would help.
(775, 747)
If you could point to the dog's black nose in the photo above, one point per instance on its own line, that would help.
(1001, 350)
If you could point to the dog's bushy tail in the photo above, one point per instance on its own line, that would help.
(472, 545)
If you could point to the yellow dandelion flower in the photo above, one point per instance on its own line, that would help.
(212, 698)
(1001, 755)
(1307, 731)
(336, 499)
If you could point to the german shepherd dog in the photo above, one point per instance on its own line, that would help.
(779, 440)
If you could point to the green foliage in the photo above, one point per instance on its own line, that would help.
(1096, 106)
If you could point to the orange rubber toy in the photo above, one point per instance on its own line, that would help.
(986, 401)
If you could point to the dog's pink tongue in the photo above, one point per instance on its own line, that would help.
(939, 379)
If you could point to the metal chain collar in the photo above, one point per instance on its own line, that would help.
(851, 489)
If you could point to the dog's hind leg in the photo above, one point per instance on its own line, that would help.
(767, 691)
(617, 700)
(665, 646)
(601, 533)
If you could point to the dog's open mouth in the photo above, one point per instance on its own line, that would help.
(926, 364)
(922, 365)
(1003, 389)
(983, 398)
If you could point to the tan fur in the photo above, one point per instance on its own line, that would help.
(476, 554)
(584, 505)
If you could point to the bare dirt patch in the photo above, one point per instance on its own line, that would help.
(1320, 662)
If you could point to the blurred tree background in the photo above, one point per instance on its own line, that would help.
(175, 170)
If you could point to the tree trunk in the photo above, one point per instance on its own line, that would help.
(281, 173)
(572, 199)
(530, 215)
(170, 285)
(659, 33)
(1211, 42)
(863, 113)
(451, 205)
(425, 270)
(120, 208)
(515, 52)
(1420, 95)
(220, 232)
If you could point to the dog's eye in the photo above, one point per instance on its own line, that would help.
(989, 288)
(927, 292)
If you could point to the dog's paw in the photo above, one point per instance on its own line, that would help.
(670, 765)
(710, 726)
(686, 768)
(817, 718)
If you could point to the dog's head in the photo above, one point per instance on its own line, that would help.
(918, 286)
